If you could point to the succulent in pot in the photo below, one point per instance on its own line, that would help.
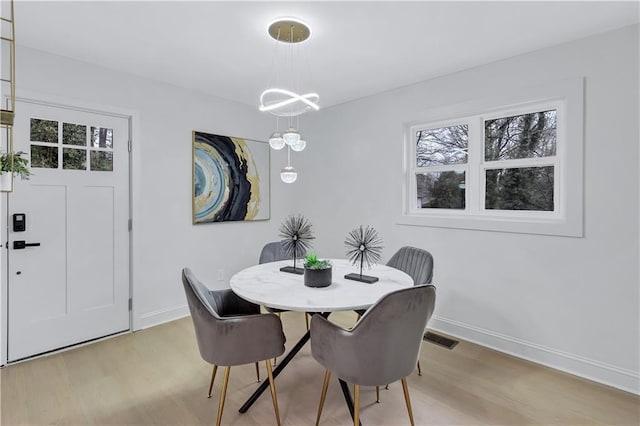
(317, 273)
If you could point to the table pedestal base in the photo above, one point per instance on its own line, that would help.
(283, 363)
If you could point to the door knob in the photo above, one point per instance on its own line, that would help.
(20, 244)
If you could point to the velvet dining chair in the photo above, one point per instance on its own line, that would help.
(415, 262)
(231, 331)
(381, 348)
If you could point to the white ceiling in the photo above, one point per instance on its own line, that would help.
(356, 48)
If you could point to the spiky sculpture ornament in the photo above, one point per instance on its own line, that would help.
(296, 240)
(364, 247)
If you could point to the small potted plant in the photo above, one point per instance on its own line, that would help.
(317, 273)
(12, 161)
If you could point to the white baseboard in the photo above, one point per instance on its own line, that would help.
(600, 372)
(161, 316)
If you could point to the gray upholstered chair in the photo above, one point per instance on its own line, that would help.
(415, 262)
(231, 331)
(273, 252)
(381, 348)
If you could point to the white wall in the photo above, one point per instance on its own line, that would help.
(571, 303)
(165, 240)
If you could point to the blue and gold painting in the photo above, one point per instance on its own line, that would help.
(230, 179)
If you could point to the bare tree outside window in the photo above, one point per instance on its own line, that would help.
(101, 137)
(102, 159)
(442, 146)
(438, 147)
(526, 136)
(520, 136)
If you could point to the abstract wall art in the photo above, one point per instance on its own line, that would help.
(230, 179)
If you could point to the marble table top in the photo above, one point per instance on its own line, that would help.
(266, 285)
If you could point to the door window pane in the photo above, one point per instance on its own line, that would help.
(74, 134)
(44, 157)
(74, 159)
(520, 136)
(101, 137)
(101, 161)
(525, 188)
(444, 190)
(44, 130)
(444, 145)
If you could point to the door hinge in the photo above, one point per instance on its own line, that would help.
(130, 304)
(129, 225)
(129, 145)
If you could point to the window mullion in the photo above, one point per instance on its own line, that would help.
(474, 179)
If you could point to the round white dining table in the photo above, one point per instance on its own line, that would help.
(266, 285)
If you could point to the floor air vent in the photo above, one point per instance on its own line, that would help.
(440, 340)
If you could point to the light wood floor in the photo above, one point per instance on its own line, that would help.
(156, 377)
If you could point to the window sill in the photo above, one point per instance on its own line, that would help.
(555, 227)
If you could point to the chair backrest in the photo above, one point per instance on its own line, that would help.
(230, 331)
(273, 252)
(198, 295)
(203, 313)
(417, 263)
(384, 345)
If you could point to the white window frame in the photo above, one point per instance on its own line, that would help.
(415, 170)
(566, 97)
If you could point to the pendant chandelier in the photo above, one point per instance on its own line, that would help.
(284, 99)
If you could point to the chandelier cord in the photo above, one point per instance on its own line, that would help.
(272, 71)
(290, 64)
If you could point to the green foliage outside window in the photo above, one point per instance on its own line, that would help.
(44, 131)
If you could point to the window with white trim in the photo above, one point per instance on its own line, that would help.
(493, 167)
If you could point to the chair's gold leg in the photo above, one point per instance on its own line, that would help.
(280, 318)
(325, 385)
(407, 399)
(223, 394)
(377, 393)
(419, 369)
(257, 373)
(356, 400)
(213, 377)
(306, 320)
(272, 386)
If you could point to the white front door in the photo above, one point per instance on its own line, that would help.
(74, 285)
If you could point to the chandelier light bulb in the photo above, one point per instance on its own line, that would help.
(275, 141)
(291, 136)
(288, 174)
(299, 146)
